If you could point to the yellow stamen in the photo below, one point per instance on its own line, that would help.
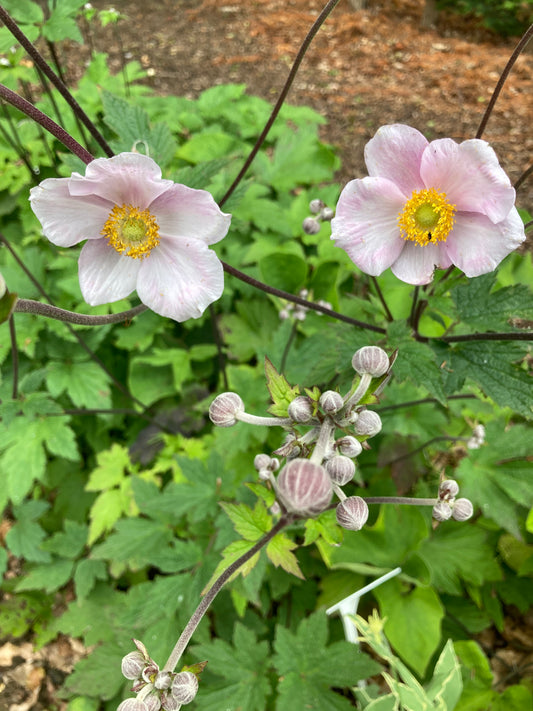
(427, 217)
(132, 231)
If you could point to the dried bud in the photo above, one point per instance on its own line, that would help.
(300, 409)
(331, 402)
(442, 511)
(448, 490)
(304, 487)
(184, 687)
(368, 423)
(349, 446)
(311, 226)
(133, 665)
(352, 513)
(340, 469)
(224, 408)
(372, 360)
(462, 509)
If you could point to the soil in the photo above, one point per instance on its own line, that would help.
(364, 69)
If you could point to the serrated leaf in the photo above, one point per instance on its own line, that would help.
(417, 362)
(101, 664)
(68, 543)
(279, 550)
(446, 685)
(281, 393)
(48, 577)
(86, 384)
(25, 536)
(106, 510)
(229, 555)
(112, 466)
(134, 541)
(87, 573)
(251, 524)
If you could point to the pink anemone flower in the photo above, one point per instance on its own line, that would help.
(143, 233)
(427, 205)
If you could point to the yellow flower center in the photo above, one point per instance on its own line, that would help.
(427, 217)
(132, 231)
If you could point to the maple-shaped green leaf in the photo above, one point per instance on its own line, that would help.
(68, 543)
(279, 550)
(251, 524)
(244, 671)
(47, 576)
(308, 668)
(281, 392)
(112, 466)
(229, 555)
(24, 538)
(87, 572)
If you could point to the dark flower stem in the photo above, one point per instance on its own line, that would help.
(511, 336)
(14, 357)
(217, 586)
(528, 34)
(377, 287)
(29, 306)
(525, 175)
(328, 9)
(56, 81)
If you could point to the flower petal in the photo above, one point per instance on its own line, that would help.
(67, 220)
(126, 179)
(476, 245)
(416, 264)
(180, 278)
(395, 153)
(470, 175)
(105, 275)
(366, 223)
(184, 212)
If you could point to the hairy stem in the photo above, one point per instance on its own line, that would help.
(29, 306)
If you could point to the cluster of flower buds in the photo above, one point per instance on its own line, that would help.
(450, 507)
(299, 312)
(477, 438)
(319, 213)
(156, 690)
(318, 462)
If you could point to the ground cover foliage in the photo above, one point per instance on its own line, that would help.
(120, 498)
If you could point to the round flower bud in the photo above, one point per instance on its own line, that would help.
(311, 226)
(331, 402)
(462, 509)
(448, 490)
(3, 287)
(368, 423)
(372, 360)
(352, 513)
(304, 487)
(300, 409)
(327, 214)
(349, 446)
(224, 408)
(315, 206)
(133, 665)
(132, 705)
(261, 461)
(163, 680)
(168, 702)
(340, 469)
(152, 701)
(442, 511)
(184, 687)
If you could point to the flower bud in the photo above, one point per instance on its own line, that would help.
(331, 402)
(352, 513)
(340, 469)
(372, 360)
(327, 214)
(133, 665)
(315, 206)
(152, 701)
(304, 487)
(311, 226)
(224, 408)
(168, 702)
(261, 461)
(3, 287)
(448, 490)
(368, 423)
(300, 409)
(150, 672)
(462, 509)
(184, 687)
(132, 705)
(163, 680)
(349, 446)
(442, 511)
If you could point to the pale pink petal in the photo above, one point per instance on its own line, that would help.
(183, 212)
(366, 223)
(67, 220)
(476, 245)
(470, 175)
(105, 275)
(126, 179)
(416, 263)
(180, 278)
(395, 153)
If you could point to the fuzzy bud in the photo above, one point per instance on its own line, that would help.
(462, 509)
(133, 665)
(300, 409)
(163, 680)
(368, 423)
(304, 487)
(352, 513)
(327, 214)
(311, 226)
(331, 402)
(168, 702)
(315, 206)
(132, 705)
(152, 701)
(224, 408)
(448, 490)
(150, 672)
(372, 360)
(442, 511)
(184, 687)
(340, 469)
(349, 446)
(261, 461)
